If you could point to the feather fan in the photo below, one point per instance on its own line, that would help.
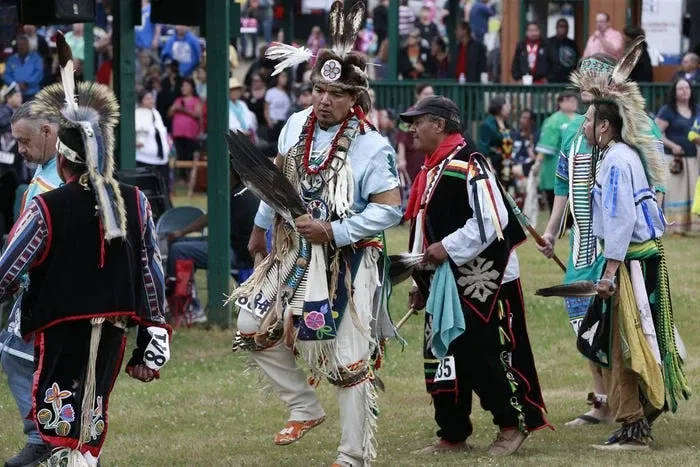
(403, 265)
(263, 178)
(287, 56)
(579, 289)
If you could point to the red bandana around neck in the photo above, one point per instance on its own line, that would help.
(432, 160)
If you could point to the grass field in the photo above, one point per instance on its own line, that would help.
(206, 412)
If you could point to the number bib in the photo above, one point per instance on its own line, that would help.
(446, 370)
(157, 352)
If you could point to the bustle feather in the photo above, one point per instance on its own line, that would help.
(287, 56)
(65, 59)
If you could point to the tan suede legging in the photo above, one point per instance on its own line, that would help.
(621, 383)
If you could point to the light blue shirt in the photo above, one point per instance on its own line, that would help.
(373, 164)
(624, 204)
(45, 179)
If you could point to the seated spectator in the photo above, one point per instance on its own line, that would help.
(38, 44)
(255, 100)
(303, 97)
(13, 170)
(278, 105)
(689, 68)
(442, 58)
(184, 47)
(471, 55)
(533, 57)
(643, 71)
(479, 15)
(427, 29)
(200, 81)
(415, 60)
(186, 113)
(25, 68)
(152, 146)
(262, 66)
(147, 34)
(240, 118)
(565, 52)
(408, 158)
(406, 20)
(315, 42)
(366, 41)
(144, 60)
(604, 39)
(170, 87)
(76, 40)
(244, 206)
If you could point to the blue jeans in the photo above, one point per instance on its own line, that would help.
(20, 376)
(191, 248)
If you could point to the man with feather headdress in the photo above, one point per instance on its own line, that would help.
(575, 175)
(319, 291)
(94, 268)
(629, 329)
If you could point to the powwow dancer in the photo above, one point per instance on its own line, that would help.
(37, 144)
(320, 286)
(629, 328)
(94, 268)
(462, 223)
(575, 175)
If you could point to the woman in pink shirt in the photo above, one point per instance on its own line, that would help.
(186, 114)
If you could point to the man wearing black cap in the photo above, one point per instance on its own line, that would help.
(475, 333)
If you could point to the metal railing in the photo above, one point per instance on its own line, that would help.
(473, 98)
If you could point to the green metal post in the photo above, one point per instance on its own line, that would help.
(125, 81)
(89, 62)
(218, 190)
(394, 45)
(289, 12)
(235, 24)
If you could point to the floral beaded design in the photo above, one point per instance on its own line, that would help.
(331, 70)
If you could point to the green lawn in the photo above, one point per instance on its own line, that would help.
(206, 412)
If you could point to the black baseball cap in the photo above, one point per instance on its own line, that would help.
(434, 105)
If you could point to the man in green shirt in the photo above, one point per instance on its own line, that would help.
(550, 142)
(574, 177)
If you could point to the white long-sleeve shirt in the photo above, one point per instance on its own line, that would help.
(465, 243)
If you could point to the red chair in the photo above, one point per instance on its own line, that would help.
(179, 295)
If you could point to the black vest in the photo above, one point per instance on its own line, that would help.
(447, 210)
(68, 282)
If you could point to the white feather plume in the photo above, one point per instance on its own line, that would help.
(287, 55)
(65, 59)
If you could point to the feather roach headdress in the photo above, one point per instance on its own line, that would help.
(613, 86)
(338, 66)
(92, 109)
